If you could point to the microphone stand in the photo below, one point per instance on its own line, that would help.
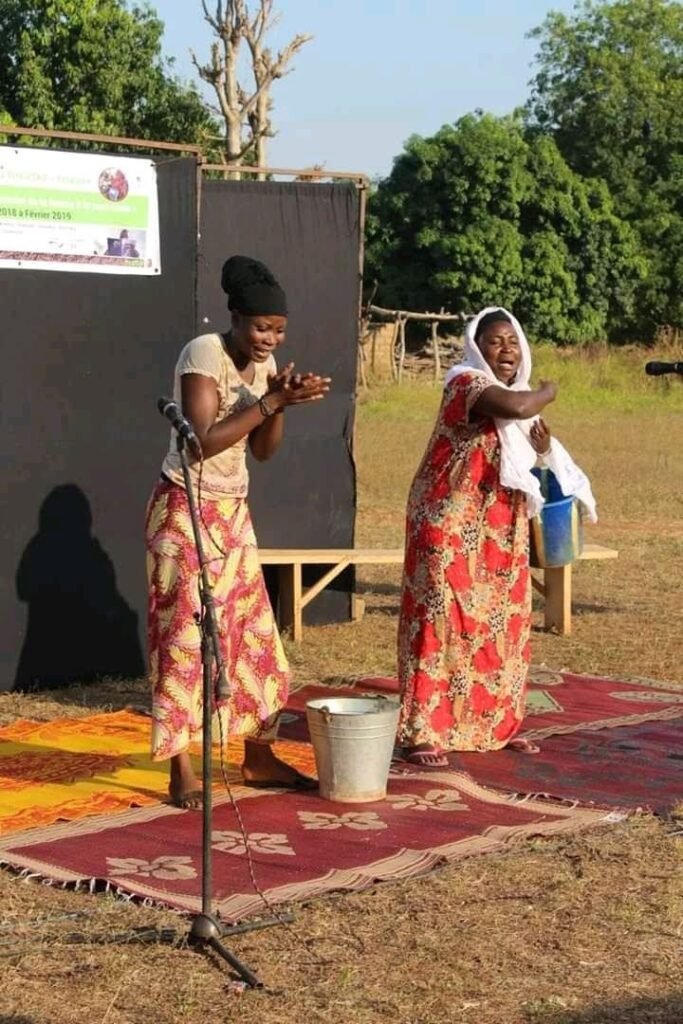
(206, 929)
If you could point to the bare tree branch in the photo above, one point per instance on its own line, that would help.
(245, 110)
(214, 21)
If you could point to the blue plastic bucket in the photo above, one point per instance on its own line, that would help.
(556, 534)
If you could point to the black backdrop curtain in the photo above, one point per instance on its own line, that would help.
(309, 236)
(85, 356)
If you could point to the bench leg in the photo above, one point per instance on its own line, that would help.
(289, 601)
(558, 599)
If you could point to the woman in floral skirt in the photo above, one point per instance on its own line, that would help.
(234, 396)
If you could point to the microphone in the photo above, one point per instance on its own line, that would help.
(658, 369)
(171, 410)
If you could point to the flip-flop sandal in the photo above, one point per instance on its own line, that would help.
(191, 801)
(523, 746)
(426, 758)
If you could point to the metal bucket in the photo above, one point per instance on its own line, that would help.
(353, 740)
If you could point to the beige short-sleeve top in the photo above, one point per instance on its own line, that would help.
(224, 475)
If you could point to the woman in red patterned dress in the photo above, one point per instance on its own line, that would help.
(233, 394)
(466, 603)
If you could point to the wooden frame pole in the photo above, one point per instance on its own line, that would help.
(359, 180)
(118, 140)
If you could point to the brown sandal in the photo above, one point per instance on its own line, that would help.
(191, 801)
(299, 783)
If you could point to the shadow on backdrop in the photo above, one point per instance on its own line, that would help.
(667, 1010)
(79, 628)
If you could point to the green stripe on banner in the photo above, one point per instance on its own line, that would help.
(40, 204)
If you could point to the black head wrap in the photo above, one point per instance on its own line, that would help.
(251, 288)
(491, 318)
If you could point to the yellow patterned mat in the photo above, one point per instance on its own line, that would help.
(74, 767)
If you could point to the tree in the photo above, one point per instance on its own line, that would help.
(480, 214)
(609, 90)
(245, 110)
(94, 66)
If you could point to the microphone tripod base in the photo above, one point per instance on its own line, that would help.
(204, 928)
(207, 931)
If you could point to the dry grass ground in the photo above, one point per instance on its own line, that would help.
(583, 930)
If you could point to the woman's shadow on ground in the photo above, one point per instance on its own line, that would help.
(667, 1010)
(79, 628)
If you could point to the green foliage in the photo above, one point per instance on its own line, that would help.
(483, 213)
(588, 379)
(609, 90)
(573, 215)
(94, 66)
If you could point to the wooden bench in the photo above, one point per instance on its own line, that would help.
(556, 587)
(293, 598)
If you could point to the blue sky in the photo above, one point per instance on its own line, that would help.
(378, 71)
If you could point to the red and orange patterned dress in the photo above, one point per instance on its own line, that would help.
(466, 605)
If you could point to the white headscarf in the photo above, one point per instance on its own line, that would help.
(517, 455)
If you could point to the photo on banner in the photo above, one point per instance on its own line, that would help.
(78, 212)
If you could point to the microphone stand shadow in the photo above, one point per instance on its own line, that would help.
(206, 929)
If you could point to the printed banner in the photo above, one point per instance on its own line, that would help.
(79, 212)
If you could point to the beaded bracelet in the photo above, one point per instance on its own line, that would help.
(265, 409)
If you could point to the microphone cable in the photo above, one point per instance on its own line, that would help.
(223, 746)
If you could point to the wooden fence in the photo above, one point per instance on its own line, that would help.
(382, 348)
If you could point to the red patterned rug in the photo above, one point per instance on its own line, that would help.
(632, 767)
(603, 741)
(557, 702)
(302, 846)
